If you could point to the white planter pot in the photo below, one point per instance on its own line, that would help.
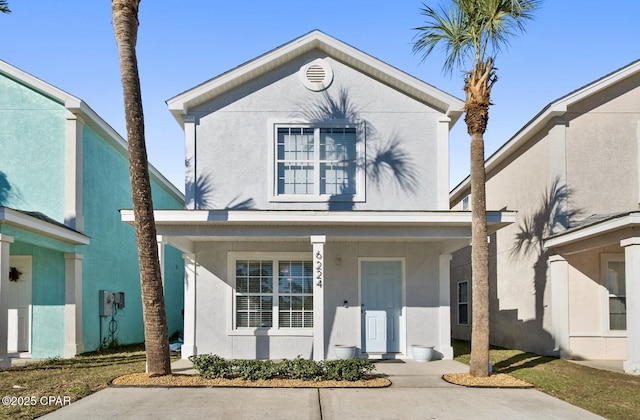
(345, 352)
(422, 353)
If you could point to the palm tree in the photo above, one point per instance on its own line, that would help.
(4, 6)
(156, 336)
(471, 33)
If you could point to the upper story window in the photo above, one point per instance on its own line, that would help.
(465, 203)
(317, 163)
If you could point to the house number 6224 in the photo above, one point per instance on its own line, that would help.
(318, 276)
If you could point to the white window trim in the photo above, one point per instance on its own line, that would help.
(272, 175)
(232, 257)
(604, 260)
(458, 302)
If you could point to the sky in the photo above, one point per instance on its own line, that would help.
(70, 44)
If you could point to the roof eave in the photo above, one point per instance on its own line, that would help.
(552, 111)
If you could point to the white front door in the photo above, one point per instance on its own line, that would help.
(19, 316)
(381, 300)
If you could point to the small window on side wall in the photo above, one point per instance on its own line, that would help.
(617, 295)
(463, 302)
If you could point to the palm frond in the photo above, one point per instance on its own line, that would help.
(4, 6)
(447, 29)
(471, 31)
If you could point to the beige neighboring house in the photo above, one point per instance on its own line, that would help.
(565, 276)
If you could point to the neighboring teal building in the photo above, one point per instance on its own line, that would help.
(63, 179)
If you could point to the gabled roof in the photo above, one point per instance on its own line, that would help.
(554, 110)
(78, 107)
(391, 76)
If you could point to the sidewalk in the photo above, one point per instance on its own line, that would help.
(417, 392)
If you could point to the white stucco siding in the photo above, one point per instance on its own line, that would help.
(521, 297)
(589, 333)
(420, 321)
(585, 295)
(602, 150)
(234, 134)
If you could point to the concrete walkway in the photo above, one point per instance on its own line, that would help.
(418, 392)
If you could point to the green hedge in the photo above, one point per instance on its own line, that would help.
(213, 366)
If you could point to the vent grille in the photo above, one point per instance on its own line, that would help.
(316, 73)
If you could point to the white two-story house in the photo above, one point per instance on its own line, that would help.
(317, 209)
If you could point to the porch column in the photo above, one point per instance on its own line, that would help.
(161, 246)
(73, 305)
(5, 244)
(318, 296)
(632, 278)
(444, 336)
(559, 274)
(189, 345)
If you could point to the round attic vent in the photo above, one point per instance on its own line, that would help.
(316, 75)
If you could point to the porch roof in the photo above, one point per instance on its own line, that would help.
(184, 228)
(596, 231)
(41, 224)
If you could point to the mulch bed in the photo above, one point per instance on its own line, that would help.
(497, 380)
(181, 380)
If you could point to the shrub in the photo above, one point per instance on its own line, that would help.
(211, 366)
(299, 368)
(348, 369)
(255, 369)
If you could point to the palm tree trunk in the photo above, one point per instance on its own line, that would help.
(156, 337)
(479, 363)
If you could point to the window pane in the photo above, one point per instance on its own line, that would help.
(338, 144)
(284, 303)
(295, 294)
(296, 302)
(254, 285)
(308, 319)
(242, 320)
(295, 143)
(462, 292)
(242, 303)
(617, 313)
(295, 155)
(242, 285)
(615, 278)
(285, 320)
(338, 178)
(294, 178)
(617, 299)
(242, 268)
(308, 303)
(296, 319)
(463, 314)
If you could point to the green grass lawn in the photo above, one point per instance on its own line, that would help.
(609, 394)
(30, 387)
